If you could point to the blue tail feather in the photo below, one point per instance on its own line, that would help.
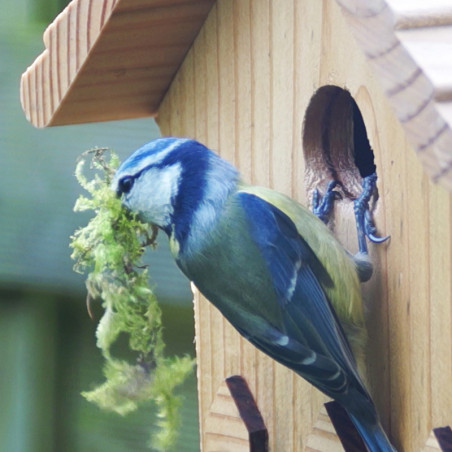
(373, 435)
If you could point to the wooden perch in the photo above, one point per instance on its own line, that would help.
(444, 437)
(349, 436)
(109, 59)
(323, 436)
(234, 422)
(440, 439)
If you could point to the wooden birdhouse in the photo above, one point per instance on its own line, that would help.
(294, 93)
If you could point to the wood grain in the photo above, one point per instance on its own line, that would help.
(224, 429)
(114, 59)
(109, 59)
(233, 423)
(243, 90)
(407, 45)
(431, 444)
(323, 437)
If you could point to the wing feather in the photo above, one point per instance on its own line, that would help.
(310, 340)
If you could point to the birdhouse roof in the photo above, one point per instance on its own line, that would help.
(109, 59)
(115, 59)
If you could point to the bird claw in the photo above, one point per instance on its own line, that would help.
(365, 225)
(322, 206)
(371, 230)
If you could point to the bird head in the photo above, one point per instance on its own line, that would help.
(176, 184)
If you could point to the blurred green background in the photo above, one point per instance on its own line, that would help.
(47, 340)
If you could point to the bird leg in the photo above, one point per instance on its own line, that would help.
(322, 206)
(365, 225)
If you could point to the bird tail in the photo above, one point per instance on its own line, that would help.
(372, 434)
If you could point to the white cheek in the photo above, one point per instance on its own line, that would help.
(153, 193)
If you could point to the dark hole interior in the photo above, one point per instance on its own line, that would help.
(362, 152)
(335, 142)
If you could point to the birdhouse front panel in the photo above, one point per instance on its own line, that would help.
(244, 90)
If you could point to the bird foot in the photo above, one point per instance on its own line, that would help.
(322, 206)
(365, 225)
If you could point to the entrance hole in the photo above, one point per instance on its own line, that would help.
(335, 142)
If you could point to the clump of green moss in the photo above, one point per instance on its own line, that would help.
(109, 249)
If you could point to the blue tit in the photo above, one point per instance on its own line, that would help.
(268, 264)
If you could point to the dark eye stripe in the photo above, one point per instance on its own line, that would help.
(125, 185)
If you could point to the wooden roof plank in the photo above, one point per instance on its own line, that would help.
(431, 48)
(100, 52)
(419, 13)
(407, 44)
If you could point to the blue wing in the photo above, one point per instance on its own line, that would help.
(310, 341)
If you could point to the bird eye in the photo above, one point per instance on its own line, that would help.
(125, 184)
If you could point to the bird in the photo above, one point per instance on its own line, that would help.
(270, 265)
